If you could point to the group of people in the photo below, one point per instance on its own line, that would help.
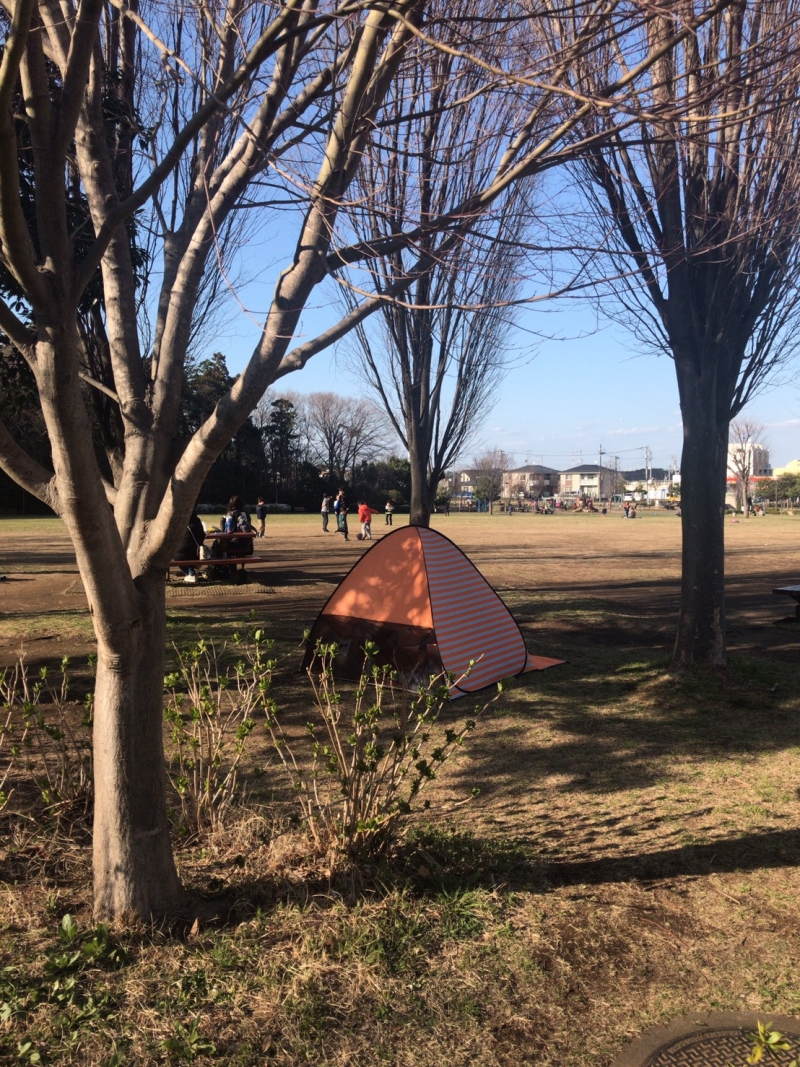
(233, 541)
(236, 521)
(340, 508)
(629, 509)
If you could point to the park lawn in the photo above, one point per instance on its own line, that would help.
(633, 852)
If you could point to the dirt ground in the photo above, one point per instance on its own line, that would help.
(634, 851)
(566, 561)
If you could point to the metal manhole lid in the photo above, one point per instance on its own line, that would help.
(710, 1039)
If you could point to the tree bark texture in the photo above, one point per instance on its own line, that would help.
(701, 637)
(421, 504)
(134, 872)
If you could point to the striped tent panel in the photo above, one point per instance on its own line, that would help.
(471, 621)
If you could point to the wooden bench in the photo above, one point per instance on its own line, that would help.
(232, 561)
(794, 592)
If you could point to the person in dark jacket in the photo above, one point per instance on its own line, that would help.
(237, 520)
(189, 548)
(340, 506)
(261, 515)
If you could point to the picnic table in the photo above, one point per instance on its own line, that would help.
(226, 561)
(794, 592)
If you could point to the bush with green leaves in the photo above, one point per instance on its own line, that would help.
(41, 727)
(210, 709)
(370, 752)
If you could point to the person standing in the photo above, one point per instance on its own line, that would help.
(261, 515)
(327, 500)
(389, 512)
(340, 507)
(365, 513)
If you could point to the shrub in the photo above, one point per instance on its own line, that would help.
(210, 710)
(46, 735)
(371, 753)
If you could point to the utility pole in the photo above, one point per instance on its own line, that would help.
(648, 455)
(600, 455)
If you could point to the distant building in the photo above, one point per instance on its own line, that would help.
(749, 457)
(462, 486)
(651, 483)
(588, 480)
(531, 481)
(792, 467)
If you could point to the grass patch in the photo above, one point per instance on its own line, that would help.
(408, 973)
(63, 627)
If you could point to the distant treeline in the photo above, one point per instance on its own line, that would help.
(291, 450)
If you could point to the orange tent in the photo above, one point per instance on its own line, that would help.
(427, 608)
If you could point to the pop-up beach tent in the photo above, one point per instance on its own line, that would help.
(426, 607)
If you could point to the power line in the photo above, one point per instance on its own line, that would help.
(579, 452)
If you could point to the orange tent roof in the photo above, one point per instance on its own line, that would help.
(388, 584)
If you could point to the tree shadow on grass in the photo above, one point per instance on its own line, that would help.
(599, 727)
(464, 859)
(433, 864)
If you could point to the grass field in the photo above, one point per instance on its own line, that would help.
(632, 854)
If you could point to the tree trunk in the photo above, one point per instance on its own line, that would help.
(134, 872)
(701, 627)
(421, 500)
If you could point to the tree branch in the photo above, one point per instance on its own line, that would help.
(25, 471)
(16, 331)
(17, 248)
(78, 60)
(270, 40)
(98, 385)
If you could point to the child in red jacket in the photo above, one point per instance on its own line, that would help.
(365, 513)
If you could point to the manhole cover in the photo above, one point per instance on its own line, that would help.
(711, 1048)
(715, 1039)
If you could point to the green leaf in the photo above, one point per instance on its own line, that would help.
(68, 930)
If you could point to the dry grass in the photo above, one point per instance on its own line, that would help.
(633, 853)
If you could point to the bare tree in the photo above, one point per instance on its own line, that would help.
(171, 120)
(262, 415)
(743, 449)
(437, 358)
(490, 466)
(343, 432)
(699, 213)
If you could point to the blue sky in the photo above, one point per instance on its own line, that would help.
(591, 389)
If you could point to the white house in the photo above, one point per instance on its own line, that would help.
(651, 483)
(588, 480)
(749, 457)
(531, 481)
